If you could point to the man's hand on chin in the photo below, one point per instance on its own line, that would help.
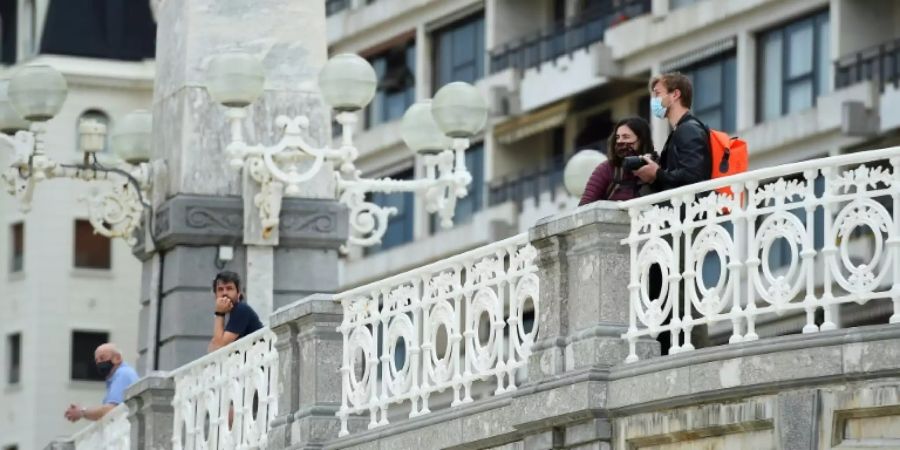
(224, 304)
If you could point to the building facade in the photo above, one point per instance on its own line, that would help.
(66, 289)
(796, 80)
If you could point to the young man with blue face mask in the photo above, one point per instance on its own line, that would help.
(686, 157)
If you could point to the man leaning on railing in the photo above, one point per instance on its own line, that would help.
(119, 376)
(230, 301)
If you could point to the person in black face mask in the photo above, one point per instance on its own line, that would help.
(119, 376)
(614, 178)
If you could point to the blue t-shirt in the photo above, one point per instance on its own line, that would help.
(121, 379)
(242, 320)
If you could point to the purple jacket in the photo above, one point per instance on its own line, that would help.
(599, 183)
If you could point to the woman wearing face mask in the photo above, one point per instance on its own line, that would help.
(611, 181)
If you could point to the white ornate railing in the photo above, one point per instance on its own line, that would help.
(446, 325)
(813, 211)
(227, 399)
(111, 432)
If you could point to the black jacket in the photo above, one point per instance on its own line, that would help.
(686, 158)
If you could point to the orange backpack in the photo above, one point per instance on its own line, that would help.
(729, 156)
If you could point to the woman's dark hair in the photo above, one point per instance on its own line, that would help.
(226, 277)
(641, 129)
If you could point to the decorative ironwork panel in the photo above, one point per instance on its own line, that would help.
(444, 327)
(227, 399)
(804, 237)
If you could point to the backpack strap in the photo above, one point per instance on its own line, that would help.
(618, 173)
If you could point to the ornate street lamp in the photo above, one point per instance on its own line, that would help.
(34, 95)
(437, 130)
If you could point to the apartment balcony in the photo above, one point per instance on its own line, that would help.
(840, 114)
(879, 65)
(668, 31)
(364, 21)
(569, 56)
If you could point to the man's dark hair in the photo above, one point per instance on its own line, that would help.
(641, 129)
(226, 277)
(676, 80)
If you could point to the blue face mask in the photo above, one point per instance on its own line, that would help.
(657, 108)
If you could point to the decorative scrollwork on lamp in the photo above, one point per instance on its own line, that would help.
(34, 95)
(438, 131)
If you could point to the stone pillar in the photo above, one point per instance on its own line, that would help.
(309, 357)
(584, 273)
(150, 411)
(200, 203)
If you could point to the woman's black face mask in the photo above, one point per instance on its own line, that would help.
(625, 149)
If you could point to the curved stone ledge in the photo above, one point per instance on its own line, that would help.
(747, 395)
(746, 368)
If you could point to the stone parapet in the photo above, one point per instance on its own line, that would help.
(150, 411)
(309, 357)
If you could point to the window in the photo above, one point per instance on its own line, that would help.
(795, 67)
(28, 21)
(96, 115)
(473, 202)
(17, 260)
(715, 91)
(467, 206)
(8, 31)
(14, 355)
(335, 6)
(395, 70)
(459, 52)
(595, 131)
(84, 343)
(92, 251)
(675, 4)
(400, 225)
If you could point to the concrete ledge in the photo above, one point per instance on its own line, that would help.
(154, 380)
(754, 367)
(598, 213)
(667, 399)
(313, 304)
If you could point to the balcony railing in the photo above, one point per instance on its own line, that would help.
(227, 399)
(527, 184)
(880, 64)
(111, 432)
(565, 37)
(678, 230)
(445, 326)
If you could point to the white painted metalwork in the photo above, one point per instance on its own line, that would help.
(227, 399)
(282, 168)
(111, 432)
(835, 201)
(114, 211)
(455, 322)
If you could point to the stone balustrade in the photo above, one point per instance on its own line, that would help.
(816, 213)
(822, 388)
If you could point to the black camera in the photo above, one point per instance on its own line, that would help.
(633, 162)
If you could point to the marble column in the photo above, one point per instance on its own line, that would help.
(200, 203)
